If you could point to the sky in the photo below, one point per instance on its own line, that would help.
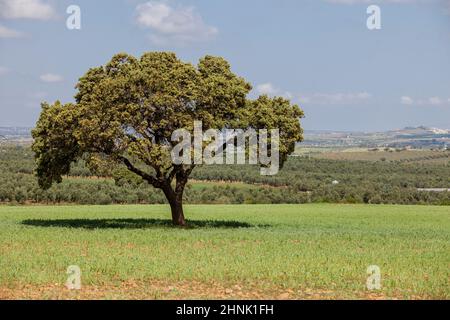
(318, 53)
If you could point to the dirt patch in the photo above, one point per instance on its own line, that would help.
(165, 290)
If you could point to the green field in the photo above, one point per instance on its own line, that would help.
(242, 251)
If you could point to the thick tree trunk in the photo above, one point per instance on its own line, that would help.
(175, 200)
(176, 205)
(173, 195)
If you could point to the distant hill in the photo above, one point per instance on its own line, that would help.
(15, 134)
(412, 137)
(409, 137)
(16, 131)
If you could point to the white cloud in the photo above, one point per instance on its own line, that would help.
(9, 33)
(270, 90)
(266, 88)
(433, 101)
(51, 77)
(335, 98)
(26, 9)
(179, 25)
(406, 100)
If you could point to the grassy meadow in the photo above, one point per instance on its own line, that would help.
(312, 251)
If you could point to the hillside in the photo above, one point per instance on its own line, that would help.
(416, 138)
(410, 137)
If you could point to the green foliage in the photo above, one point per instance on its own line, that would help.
(127, 110)
(55, 144)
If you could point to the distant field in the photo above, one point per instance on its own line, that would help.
(234, 251)
(193, 184)
(205, 185)
(303, 179)
(425, 156)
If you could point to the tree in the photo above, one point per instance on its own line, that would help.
(127, 110)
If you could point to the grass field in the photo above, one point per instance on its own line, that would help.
(421, 156)
(244, 251)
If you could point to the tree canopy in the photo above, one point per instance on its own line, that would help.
(126, 111)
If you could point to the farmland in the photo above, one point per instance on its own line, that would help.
(228, 251)
(372, 177)
(403, 156)
(292, 236)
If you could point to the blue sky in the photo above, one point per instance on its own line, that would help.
(319, 53)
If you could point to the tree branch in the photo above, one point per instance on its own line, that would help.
(150, 179)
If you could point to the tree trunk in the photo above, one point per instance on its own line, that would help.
(173, 195)
(175, 200)
(176, 205)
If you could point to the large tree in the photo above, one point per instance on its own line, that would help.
(126, 111)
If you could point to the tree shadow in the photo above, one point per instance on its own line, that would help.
(135, 224)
